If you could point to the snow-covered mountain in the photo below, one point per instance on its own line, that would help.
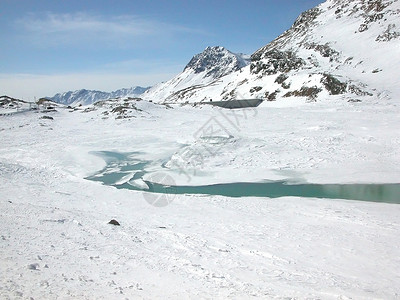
(204, 69)
(86, 97)
(341, 47)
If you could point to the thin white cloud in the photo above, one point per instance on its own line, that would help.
(88, 31)
(52, 29)
(144, 66)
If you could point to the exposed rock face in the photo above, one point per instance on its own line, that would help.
(333, 85)
(274, 61)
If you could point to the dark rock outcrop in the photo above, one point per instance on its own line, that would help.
(114, 222)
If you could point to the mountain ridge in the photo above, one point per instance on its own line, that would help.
(338, 48)
(86, 97)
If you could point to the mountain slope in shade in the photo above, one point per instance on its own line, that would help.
(204, 69)
(349, 48)
(86, 97)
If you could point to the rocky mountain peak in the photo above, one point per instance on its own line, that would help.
(216, 62)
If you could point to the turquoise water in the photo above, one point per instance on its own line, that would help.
(365, 192)
(123, 165)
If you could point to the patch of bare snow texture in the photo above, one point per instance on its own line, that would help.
(55, 240)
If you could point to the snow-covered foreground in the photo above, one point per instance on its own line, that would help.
(55, 241)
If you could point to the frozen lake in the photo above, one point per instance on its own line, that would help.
(123, 171)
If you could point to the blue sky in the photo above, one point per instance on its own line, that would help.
(51, 46)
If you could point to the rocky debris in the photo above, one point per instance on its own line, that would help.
(255, 89)
(281, 80)
(371, 11)
(89, 109)
(122, 108)
(310, 92)
(46, 118)
(389, 34)
(370, 19)
(306, 19)
(325, 50)
(271, 96)
(274, 61)
(375, 5)
(182, 94)
(333, 85)
(230, 95)
(366, 8)
(351, 88)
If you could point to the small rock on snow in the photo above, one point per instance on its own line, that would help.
(114, 222)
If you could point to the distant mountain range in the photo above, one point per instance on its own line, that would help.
(86, 97)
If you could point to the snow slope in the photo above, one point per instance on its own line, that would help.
(55, 241)
(348, 47)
